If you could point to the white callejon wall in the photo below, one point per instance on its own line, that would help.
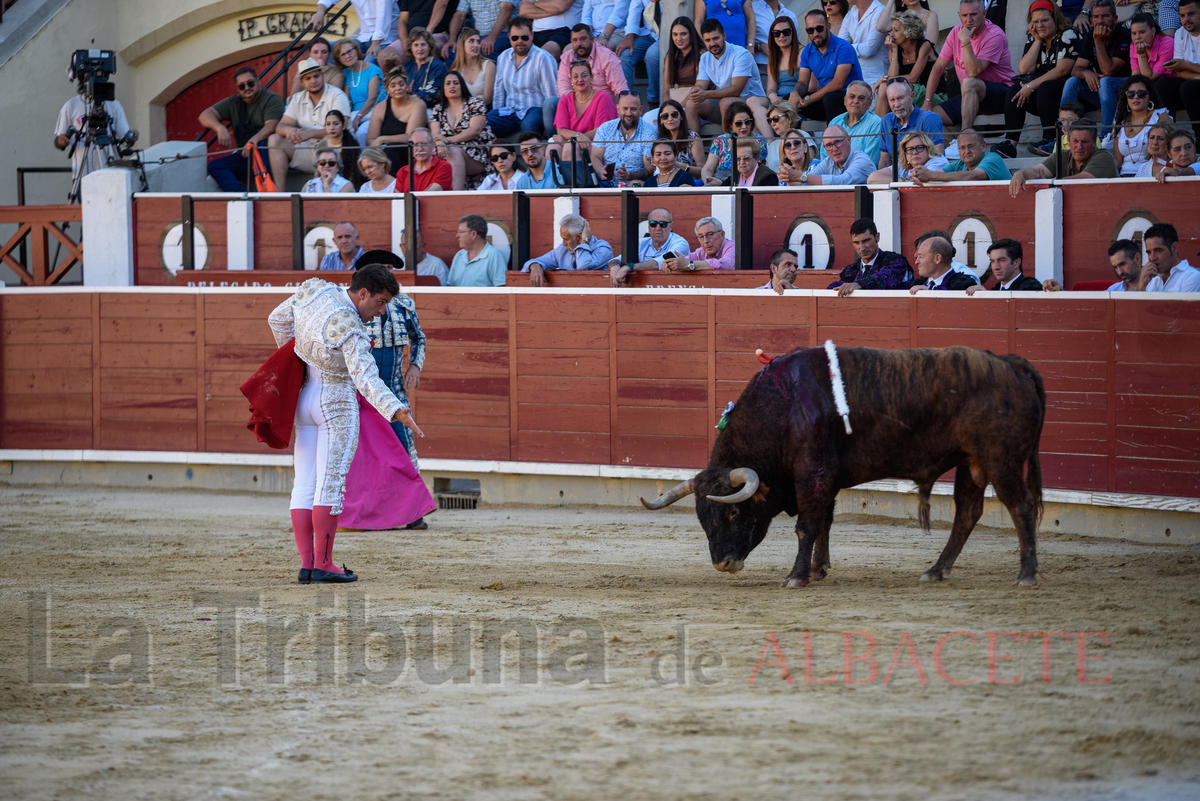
(108, 228)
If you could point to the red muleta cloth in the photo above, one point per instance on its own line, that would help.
(274, 392)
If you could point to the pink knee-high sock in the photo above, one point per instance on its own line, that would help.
(302, 529)
(325, 527)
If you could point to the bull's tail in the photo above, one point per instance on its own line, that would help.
(923, 491)
(1033, 478)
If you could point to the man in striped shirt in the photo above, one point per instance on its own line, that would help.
(525, 78)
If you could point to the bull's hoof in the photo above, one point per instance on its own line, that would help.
(930, 575)
(795, 581)
(1029, 581)
(819, 572)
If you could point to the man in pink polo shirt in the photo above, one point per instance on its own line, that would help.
(979, 50)
(715, 251)
(607, 73)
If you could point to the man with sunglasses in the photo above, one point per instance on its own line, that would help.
(533, 152)
(827, 66)
(653, 250)
(253, 114)
(525, 79)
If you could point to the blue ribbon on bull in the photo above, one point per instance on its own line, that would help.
(724, 417)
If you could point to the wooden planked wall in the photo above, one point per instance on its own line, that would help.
(621, 379)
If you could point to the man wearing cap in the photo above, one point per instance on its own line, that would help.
(303, 124)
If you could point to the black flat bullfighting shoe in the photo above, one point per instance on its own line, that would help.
(328, 577)
(305, 576)
(418, 525)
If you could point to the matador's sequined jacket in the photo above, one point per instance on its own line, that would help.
(330, 337)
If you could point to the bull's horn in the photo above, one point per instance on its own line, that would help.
(739, 475)
(669, 497)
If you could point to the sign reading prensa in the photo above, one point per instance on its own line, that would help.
(289, 23)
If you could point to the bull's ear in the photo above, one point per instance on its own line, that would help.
(761, 493)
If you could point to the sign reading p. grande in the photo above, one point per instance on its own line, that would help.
(287, 23)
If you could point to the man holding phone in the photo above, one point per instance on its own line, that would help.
(663, 243)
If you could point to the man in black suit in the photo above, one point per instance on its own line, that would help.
(934, 257)
(874, 268)
(1005, 257)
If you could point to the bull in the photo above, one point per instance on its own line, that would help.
(915, 414)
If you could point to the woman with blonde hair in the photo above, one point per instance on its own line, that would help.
(927, 16)
(783, 117)
(478, 73)
(1157, 157)
(363, 84)
(376, 166)
(795, 158)
(916, 150)
(910, 56)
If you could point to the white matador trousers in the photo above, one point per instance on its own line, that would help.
(326, 439)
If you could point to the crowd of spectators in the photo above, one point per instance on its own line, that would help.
(564, 71)
(495, 96)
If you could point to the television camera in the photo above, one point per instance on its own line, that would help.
(91, 70)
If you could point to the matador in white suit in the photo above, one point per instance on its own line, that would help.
(328, 323)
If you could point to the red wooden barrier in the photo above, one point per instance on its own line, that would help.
(616, 378)
(1095, 214)
(282, 278)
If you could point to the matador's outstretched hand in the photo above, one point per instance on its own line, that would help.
(404, 415)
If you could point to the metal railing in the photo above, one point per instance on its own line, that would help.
(288, 58)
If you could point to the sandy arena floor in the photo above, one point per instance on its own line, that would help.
(278, 712)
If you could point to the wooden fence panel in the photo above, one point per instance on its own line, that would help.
(600, 379)
(46, 355)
